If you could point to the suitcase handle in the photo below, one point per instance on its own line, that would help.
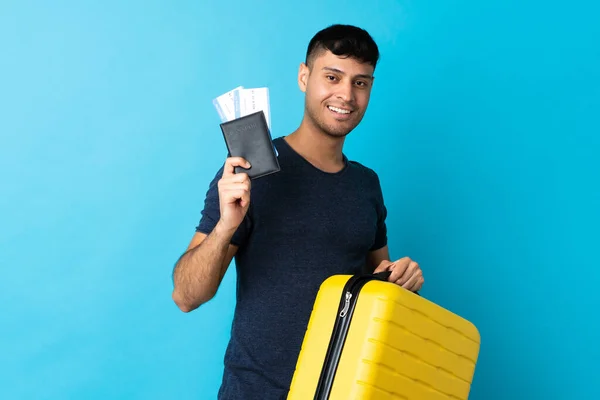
(385, 275)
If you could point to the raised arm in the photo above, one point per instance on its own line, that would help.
(200, 270)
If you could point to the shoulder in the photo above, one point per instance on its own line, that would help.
(364, 171)
(368, 179)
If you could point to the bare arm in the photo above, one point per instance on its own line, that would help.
(376, 257)
(199, 271)
(405, 272)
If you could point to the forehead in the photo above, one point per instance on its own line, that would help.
(346, 65)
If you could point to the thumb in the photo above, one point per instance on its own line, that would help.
(383, 266)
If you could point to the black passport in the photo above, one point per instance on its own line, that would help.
(249, 137)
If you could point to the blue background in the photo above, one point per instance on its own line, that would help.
(484, 128)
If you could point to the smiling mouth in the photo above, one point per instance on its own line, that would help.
(338, 110)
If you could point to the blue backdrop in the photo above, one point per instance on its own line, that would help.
(484, 128)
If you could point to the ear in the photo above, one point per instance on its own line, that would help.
(303, 73)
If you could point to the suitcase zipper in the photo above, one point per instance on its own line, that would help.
(340, 331)
(347, 305)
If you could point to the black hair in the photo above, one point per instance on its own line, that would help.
(344, 41)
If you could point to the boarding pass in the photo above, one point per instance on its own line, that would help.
(241, 101)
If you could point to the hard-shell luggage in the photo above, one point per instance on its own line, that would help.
(372, 339)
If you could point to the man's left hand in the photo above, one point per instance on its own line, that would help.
(405, 273)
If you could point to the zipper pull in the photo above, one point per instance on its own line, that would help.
(347, 305)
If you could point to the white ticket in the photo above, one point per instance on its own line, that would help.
(240, 102)
(225, 105)
(248, 101)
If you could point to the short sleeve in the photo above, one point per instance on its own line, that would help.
(381, 238)
(211, 213)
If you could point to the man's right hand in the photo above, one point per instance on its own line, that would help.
(199, 271)
(234, 194)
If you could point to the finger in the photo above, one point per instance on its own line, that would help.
(245, 199)
(234, 186)
(229, 184)
(410, 271)
(234, 183)
(238, 178)
(383, 266)
(231, 163)
(412, 282)
(233, 195)
(399, 269)
(418, 285)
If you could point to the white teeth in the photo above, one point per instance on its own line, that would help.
(339, 110)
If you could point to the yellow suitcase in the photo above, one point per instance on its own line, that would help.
(371, 339)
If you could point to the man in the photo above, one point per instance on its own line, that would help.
(320, 215)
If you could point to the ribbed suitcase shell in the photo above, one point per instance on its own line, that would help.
(398, 346)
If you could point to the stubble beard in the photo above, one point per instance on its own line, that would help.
(339, 131)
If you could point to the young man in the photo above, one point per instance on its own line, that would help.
(321, 215)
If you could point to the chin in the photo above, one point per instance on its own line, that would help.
(339, 129)
(333, 127)
(336, 133)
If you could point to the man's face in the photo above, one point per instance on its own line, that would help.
(337, 92)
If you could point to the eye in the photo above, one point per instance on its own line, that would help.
(330, 77)
(361, 83)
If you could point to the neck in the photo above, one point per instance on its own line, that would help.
(320, 149)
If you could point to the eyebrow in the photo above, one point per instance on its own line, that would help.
(339, 71)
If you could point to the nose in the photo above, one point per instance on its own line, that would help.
(346, 92)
